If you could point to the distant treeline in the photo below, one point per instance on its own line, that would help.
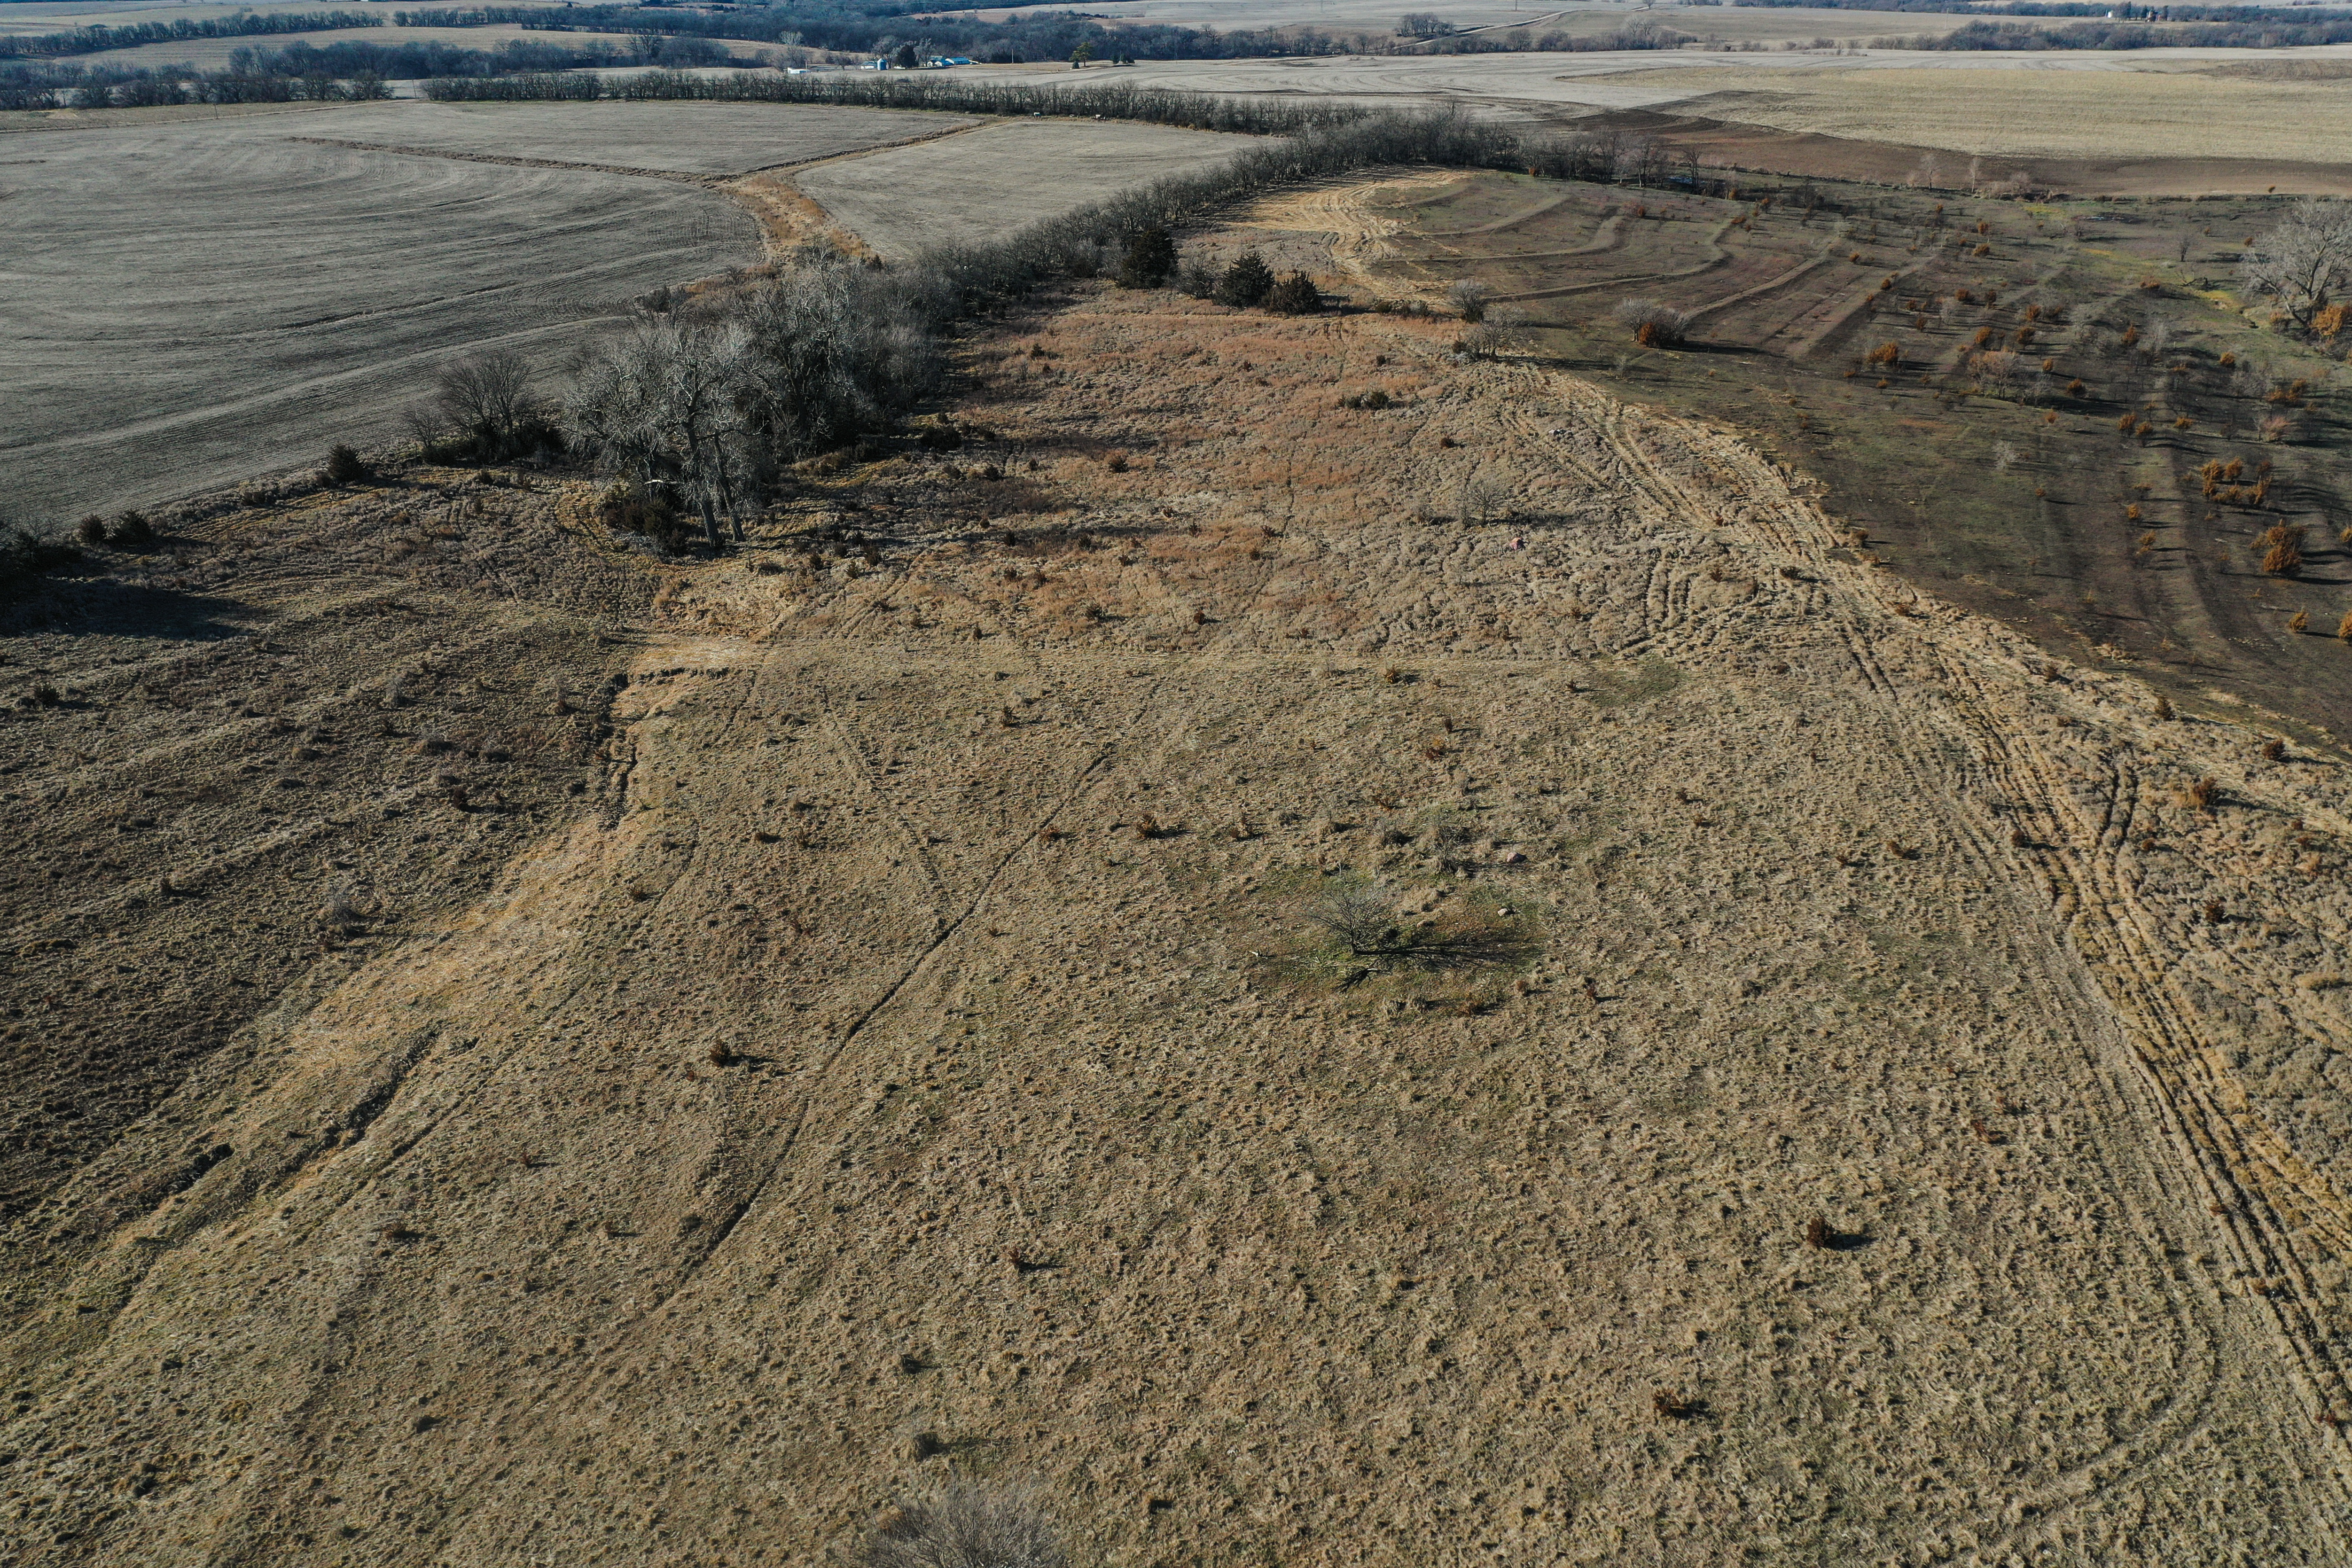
(883, 29)
(2106, 26)
(72, 86)
(93, 40)
(2142, 35)
(303, 71)
(921, 89)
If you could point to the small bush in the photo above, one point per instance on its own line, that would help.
(344, 466)
(1294, 296)
(1469, 296)
(91, 530)
(1887, 354)
(2284, 555)
(1198, 279)
(132, 531)
(24, 555)
(966, 1524)
(1654, 326)
(1246, 281)
(648, 511)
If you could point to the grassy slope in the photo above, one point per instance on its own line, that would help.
(894, 1052)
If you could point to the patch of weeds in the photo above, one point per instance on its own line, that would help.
(1645, 681)
(1352, 930)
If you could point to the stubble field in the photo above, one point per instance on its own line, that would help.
(1976, 108)
(188, 304)
(986, 185)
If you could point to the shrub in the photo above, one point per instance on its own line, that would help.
(630, 508)
(24, 555)
(1198, 279)
(1361, 923)
(482, 411)
(2285, 556)
(966, 1524)
(1150, 260)
(344, 466)
(1889, 354)
(132, 531)
(1468, 296)
(1654, 326)
(1294, 296)
(1248, 281)
(91, 530)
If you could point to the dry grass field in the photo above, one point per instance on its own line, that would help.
(991, 181)
(650, 1063)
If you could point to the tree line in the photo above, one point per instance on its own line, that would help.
(345, 68)
(96, 39)
(884, 29)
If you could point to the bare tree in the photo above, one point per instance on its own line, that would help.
(1479, 498)
(1469, 296)
(485, 399)
(2305, 260)
(666, 404)
(835, 351)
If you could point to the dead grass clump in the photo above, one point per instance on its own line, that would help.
(2201, 794)
(1887, 353)
(968, 1524)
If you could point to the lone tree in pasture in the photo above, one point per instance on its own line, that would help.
(1294, 296)
(2304, 261)
(1469, 296)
